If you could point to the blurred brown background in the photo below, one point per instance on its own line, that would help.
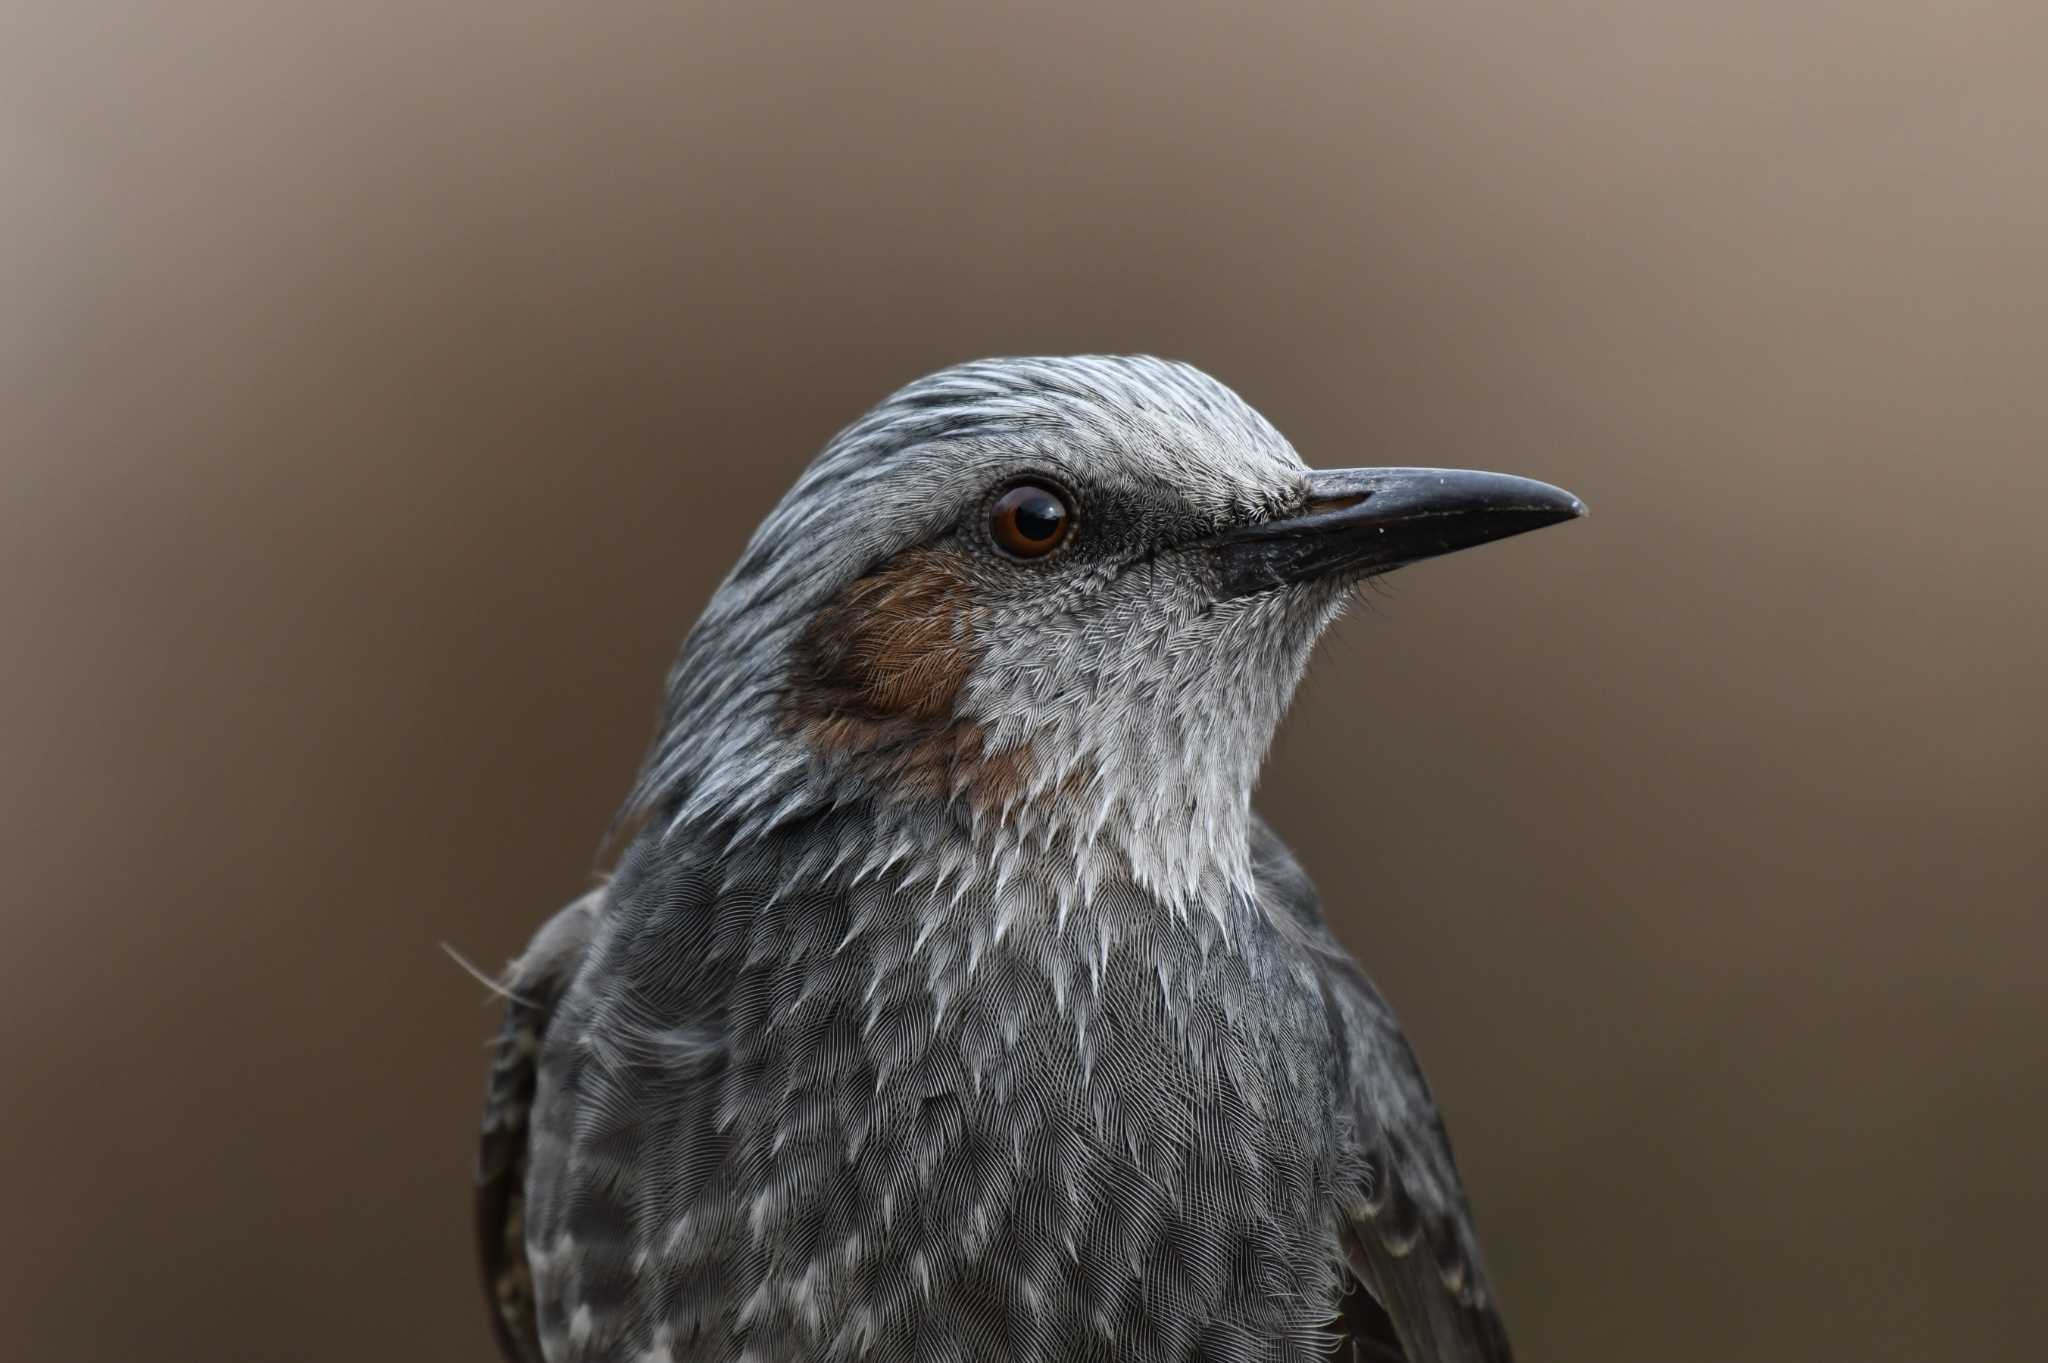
(383, 389)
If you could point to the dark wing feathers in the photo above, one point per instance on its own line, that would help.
(532, 986)
(1421, 1293)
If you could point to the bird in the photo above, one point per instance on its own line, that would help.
(946, 999)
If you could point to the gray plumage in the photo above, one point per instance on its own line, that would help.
(948, 1001)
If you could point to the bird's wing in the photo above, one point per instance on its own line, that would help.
(1420, 1293)
(531, 987)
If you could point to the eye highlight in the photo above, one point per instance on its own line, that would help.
(1030, 521)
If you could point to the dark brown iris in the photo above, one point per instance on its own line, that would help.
(1029, 521)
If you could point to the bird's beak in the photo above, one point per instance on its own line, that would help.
(1365, 521)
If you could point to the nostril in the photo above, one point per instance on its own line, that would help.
(1318, 505)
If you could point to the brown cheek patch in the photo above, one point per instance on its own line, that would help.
(898, 643)
(878, 679)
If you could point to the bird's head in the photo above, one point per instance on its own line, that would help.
(1053, 606)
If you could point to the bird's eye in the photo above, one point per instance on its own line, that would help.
(1029, 521)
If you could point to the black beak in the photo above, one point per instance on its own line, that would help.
(1360, 522)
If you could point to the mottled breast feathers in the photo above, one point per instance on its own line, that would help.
(733, 1118)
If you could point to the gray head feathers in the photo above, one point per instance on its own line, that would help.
(1100, 705)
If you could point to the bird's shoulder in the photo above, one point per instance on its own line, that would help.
(532, 988)
(1408, 1232)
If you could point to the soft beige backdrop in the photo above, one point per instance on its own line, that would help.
(386, 385)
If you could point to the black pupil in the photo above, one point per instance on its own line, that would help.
(1039, 515)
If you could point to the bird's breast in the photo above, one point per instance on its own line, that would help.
(843, 1118)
